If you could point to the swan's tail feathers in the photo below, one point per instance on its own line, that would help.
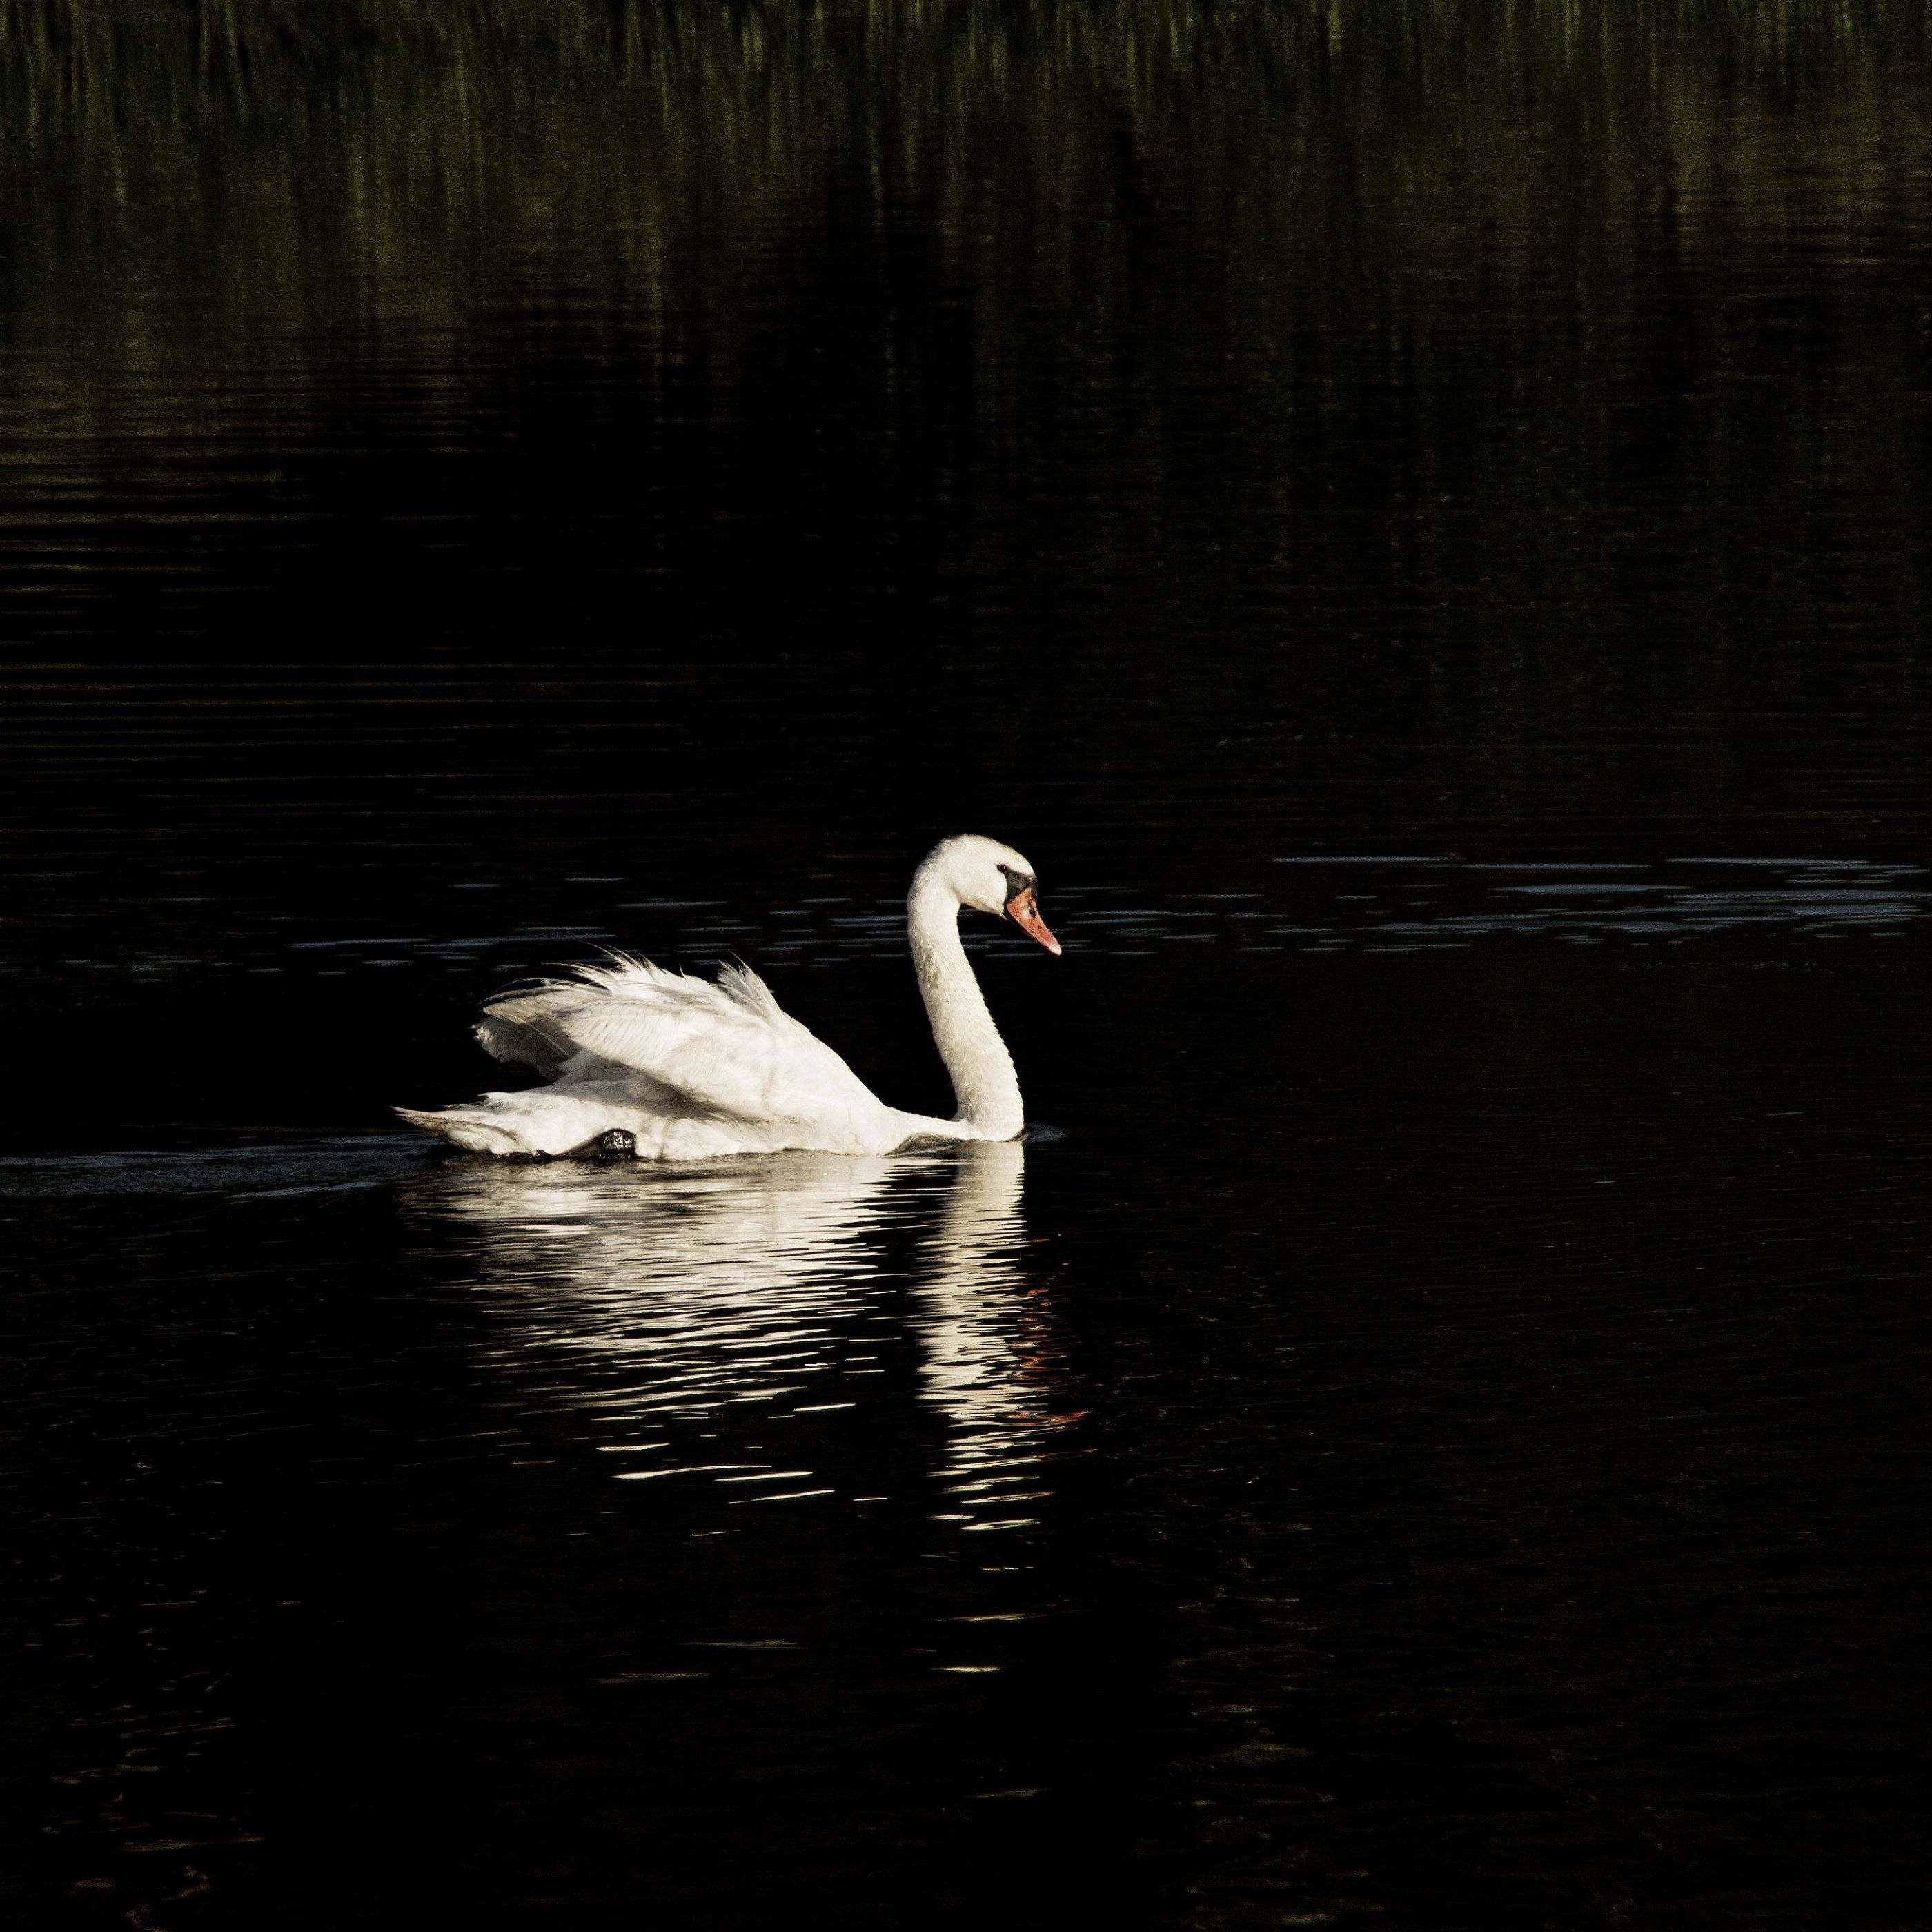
(479, 1129)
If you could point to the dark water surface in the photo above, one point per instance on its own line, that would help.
(1415, 517)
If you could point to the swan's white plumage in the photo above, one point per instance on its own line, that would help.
(694, 1069)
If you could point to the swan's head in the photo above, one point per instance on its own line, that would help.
(988, 876)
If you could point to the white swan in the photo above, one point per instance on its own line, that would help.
(672, 1068)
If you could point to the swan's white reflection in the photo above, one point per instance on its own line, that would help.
(990, 1366)
(748, 1324)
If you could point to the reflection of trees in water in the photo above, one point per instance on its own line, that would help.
(683, 1312)
(447, 147)
(1486, 324)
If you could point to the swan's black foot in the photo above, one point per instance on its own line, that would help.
(618, 1144)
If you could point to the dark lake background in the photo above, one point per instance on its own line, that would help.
(1415, 515)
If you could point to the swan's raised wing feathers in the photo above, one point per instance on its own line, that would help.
(520, 1028)
(726, 1048)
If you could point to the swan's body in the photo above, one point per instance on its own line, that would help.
(690, 1070)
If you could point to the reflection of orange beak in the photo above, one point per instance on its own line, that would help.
(1024, 914)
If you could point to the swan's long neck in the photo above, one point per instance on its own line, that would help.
(984, 1084)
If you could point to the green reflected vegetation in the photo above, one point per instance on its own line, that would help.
(1474, 331)
(245, 155)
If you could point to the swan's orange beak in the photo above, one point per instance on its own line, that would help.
(1024, 914)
